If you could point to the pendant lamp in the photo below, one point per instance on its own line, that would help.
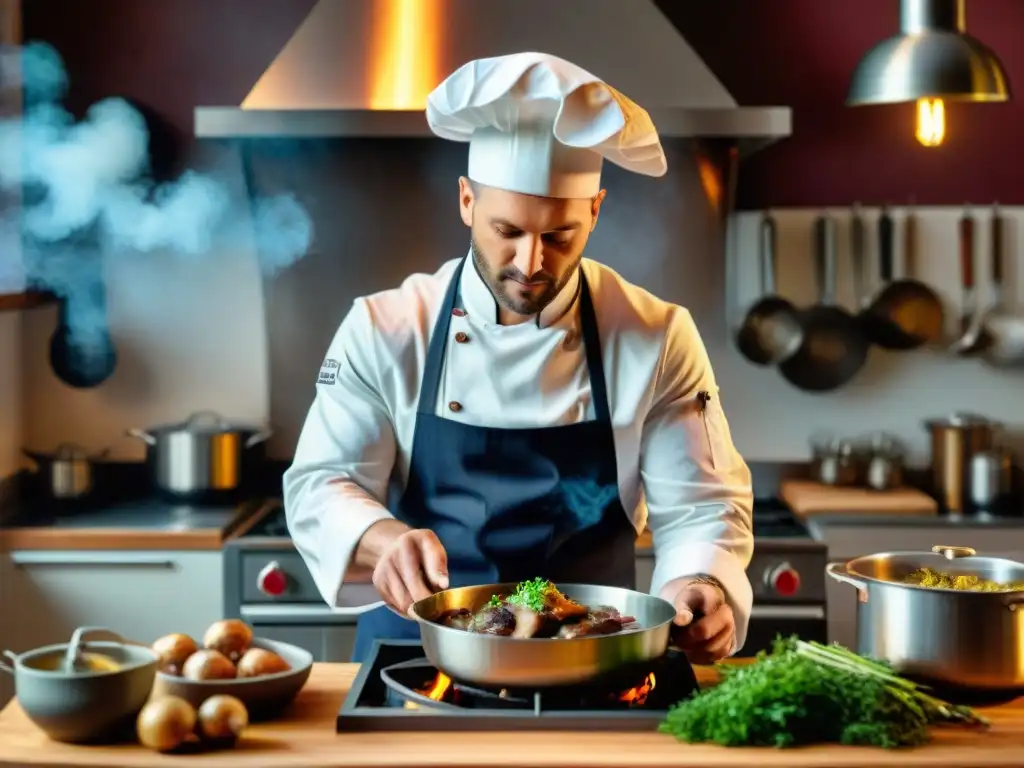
(932, 60)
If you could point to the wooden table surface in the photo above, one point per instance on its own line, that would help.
(307, 737)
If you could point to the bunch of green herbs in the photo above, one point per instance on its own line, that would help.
(532, 594)
(805, 693)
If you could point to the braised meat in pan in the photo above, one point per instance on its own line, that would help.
(537, 609)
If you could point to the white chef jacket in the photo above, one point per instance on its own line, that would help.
(679, 472)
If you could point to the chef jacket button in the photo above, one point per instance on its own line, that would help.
(459, 312)
(461, 337)
(454, 406)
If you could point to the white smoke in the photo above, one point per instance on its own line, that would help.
(87, 191)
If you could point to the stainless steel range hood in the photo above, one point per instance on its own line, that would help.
(364, 68)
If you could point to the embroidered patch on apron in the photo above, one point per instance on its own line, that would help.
(328, 372)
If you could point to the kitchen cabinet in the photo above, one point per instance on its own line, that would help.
(140, 595)
(847, 541)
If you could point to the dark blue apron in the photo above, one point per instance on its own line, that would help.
(513, 504)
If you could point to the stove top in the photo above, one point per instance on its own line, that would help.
(772, 520)
(398, 690)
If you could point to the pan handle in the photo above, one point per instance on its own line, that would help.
(825, 253)
(966, 232)
(858, 256)
(768, 244)
(996, 234)
(885, 247)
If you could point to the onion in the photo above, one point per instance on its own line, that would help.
(258, 662)
(221, 719)
(229, 636)
(165, 723)
(173, 651)
(208, 665)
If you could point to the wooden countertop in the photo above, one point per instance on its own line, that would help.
(148, 527)
(307, 737)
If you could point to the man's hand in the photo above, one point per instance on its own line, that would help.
(411, 567)
(704, 625)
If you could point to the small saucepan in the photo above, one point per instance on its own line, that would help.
(94, 699)
(68, 472)
(509, 662)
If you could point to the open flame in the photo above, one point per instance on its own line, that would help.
(437, 689)
(637, 696)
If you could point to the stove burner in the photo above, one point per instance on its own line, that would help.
(398, 689)
(417, 683)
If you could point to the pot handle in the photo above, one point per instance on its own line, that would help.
(78, 639)
(260, 437)
(838, 572)
(142, 435)
(8, 668)
(1015, 602)
(952, 553)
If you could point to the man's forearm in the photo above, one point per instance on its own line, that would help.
(377, 538)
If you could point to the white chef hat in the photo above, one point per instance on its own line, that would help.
(539, 125)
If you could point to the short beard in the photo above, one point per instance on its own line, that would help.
(521, 305)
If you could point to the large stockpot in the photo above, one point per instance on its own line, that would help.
(506, 662)
(957, 638)
(204, 456)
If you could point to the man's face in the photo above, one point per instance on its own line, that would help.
(525, 247)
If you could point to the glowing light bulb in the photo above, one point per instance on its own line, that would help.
(931, 122)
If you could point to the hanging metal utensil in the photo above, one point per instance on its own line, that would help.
(771, 331)
(1004, 329)
(835, 347)
(972, 319)
(906, 313)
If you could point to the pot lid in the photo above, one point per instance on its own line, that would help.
(961, 420)
(204, 422)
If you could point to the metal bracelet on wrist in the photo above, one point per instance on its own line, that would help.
(703, 578)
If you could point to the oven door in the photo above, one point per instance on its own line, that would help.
(808, 622)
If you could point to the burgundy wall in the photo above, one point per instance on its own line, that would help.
(173, 55)
(801, 53)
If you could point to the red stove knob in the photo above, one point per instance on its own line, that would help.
(784, 580)
(272, 580)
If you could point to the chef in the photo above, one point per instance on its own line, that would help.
(529, 410)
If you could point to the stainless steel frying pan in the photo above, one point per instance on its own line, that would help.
(506, 662)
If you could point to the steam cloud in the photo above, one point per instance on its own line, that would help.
(87, 192)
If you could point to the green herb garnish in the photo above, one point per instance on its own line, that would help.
(805, 693)
(532, 594)
(495, 601)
